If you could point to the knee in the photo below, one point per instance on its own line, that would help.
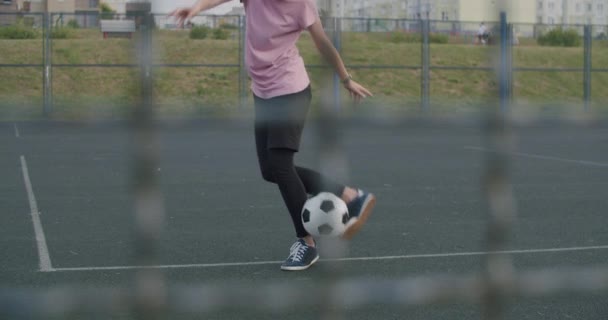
(267, 174)
(279, 165)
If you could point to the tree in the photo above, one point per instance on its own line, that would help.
(107, 13)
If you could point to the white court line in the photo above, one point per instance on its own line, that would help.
(537, 156)
(16, 130)
(401, 257)
(43, 251)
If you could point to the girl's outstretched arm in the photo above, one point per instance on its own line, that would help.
(185, 14)
(329, 52)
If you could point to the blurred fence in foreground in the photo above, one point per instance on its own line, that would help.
(150, 297)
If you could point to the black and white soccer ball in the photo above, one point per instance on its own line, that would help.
(325, 215)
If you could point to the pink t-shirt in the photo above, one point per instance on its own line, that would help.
(272, 58)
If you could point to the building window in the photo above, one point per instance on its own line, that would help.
(578, 7)
(600, 7)
(551, 6)
(540, 5)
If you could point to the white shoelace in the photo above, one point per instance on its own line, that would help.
(296, 252)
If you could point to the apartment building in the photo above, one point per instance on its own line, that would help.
(521, 11)
(54, 6)
(120, 6)
(395, 9)
(7, 7)
(568, 12)
(64, 6)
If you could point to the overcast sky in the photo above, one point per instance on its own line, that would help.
(163, 6)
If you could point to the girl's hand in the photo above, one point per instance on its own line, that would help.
(357, 91)
(182, 15)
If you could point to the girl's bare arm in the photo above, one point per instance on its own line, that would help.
(185, 14)
(329, 52)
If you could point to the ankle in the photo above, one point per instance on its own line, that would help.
(349, 194)
(309, 241)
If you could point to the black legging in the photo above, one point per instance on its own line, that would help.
(294, 182)
(278, 129)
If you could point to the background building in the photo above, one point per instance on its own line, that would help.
(392, 9)
(520, 11)
(572, 11)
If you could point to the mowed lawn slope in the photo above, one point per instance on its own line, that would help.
(110, 90)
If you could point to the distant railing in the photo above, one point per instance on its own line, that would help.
(341, 30)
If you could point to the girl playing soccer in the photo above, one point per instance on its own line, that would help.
(282, 96)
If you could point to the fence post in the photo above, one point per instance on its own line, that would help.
(587, 68)
(426, 62)
(242, 68)
(47, 103)
(337, 39)
(504, 72)
(511, 40)
(149, 284)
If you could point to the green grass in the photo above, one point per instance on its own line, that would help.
(200, 90)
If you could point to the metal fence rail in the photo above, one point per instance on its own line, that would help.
(338, 28)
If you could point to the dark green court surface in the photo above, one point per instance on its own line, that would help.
(223, 223)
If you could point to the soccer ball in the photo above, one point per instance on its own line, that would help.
(325, 215)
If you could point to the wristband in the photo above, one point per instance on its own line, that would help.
(347, 80)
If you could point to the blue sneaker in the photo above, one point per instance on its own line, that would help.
(359, 210)
(301, 257)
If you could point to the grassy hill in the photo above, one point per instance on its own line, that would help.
(178, 91)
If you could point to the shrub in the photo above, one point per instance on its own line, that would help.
(106, 11)
(559, 37)
(220, 34)
(73, 24)
(228, 26)
(199, 32)
(61, 33)
(402, 37)
(18, 31)
(438, 38)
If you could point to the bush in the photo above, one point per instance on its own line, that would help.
(106, 11)
(402, 37)
(18, 31)
(73, 24)
(228, 26)
(199, 32)
(220, 34)
(559, 37)
(61, 33)
(438, 38)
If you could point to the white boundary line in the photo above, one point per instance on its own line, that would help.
(43, 251)
(537, 156)
(16, 130)
(400, 257)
